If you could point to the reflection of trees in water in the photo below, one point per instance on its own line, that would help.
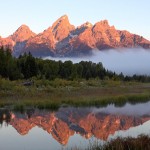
(29, 113)
(5, 116)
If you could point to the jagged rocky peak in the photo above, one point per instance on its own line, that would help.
(102, 24)
(62, 19)
(61, 28)
(47, 32)
(41, 44)
(23, 33)
(87, 24)
(23, 27)
(45, 37)
(82, 28)
(7, 43)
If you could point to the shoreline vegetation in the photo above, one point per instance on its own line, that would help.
(45, 94)
(142, 142)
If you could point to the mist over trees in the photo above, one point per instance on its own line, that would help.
(26, 67)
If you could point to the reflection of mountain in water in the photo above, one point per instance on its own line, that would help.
(68, 121)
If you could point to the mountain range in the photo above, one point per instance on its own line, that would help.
(63, 39)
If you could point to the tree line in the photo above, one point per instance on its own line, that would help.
(26, 67)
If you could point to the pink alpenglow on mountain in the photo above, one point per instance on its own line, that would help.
(64, 39)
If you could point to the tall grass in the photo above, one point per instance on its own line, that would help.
(142, 142)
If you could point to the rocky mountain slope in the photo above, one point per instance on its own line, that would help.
(64, 39)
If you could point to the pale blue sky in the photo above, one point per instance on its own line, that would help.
(132, 15)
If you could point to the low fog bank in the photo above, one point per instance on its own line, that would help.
(127, 61)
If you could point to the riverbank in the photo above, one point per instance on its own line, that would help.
(53, 94)
(142, 142)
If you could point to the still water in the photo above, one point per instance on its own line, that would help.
(71, 127)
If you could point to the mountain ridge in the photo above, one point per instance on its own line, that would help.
(64, 39)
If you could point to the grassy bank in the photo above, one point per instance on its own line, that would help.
(142, 142)
(53, 94)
